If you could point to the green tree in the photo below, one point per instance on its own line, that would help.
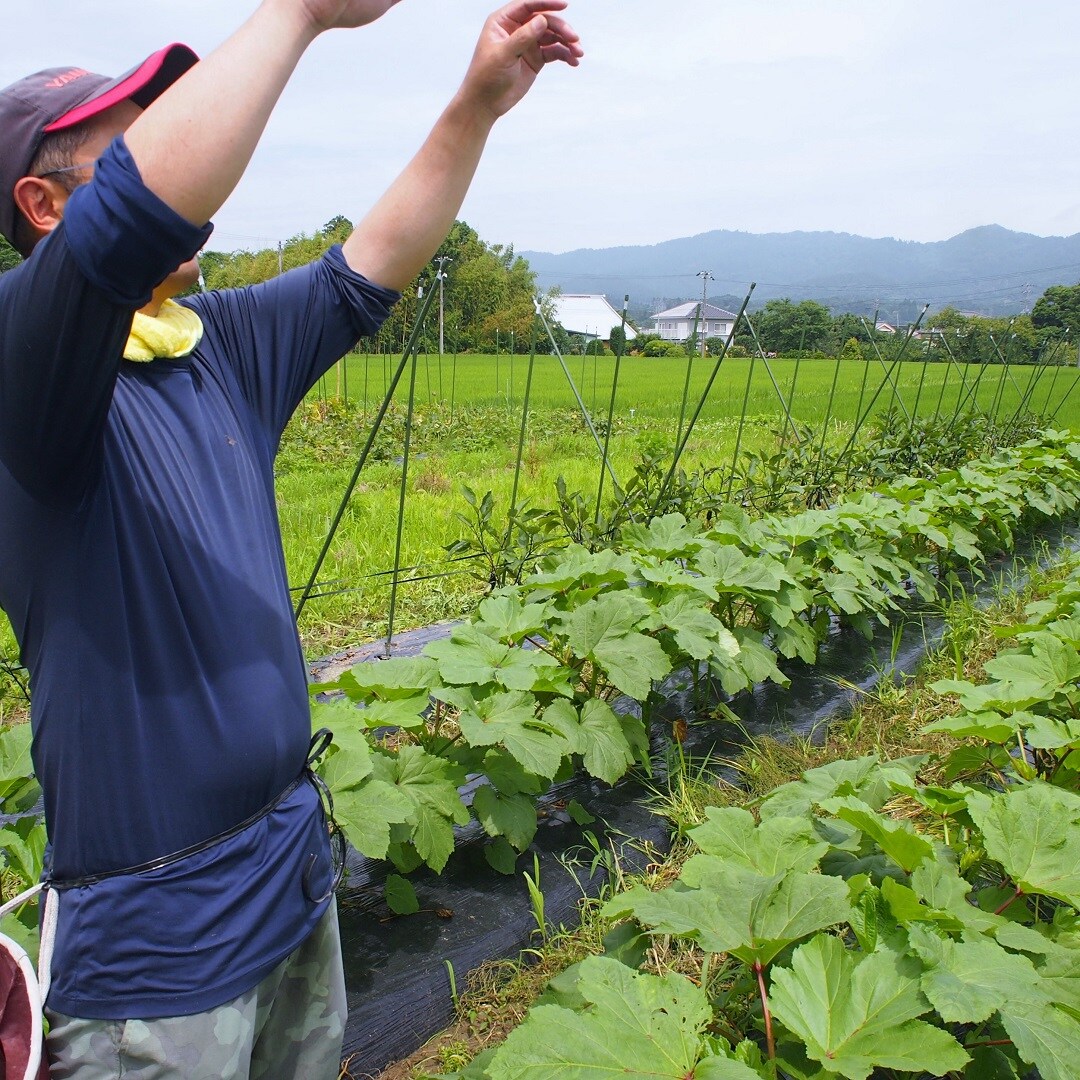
(1057, 308)
(784, 327)
(618, 340)
(845, 327)
(852, 350)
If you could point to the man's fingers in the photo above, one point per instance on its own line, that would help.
(548, 39)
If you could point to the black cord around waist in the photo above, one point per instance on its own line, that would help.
(183, 853)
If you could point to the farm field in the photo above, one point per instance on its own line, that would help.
(467, 430)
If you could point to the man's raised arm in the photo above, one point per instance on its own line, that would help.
(193, 144)
(397, 238)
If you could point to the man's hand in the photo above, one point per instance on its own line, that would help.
(516, 42)
(331, 14)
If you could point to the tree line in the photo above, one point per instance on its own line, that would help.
(488, 290)
(809, 329)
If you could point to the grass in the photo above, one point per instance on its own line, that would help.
(886, 722)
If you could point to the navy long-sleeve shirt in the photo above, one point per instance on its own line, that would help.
(141, 567)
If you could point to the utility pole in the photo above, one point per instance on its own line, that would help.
(280, 265)
(706, 277)
(442, 260)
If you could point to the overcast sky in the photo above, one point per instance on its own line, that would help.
(909, 118)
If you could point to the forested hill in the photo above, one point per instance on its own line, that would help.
(989, 269)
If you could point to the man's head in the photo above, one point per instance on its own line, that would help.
(54, 123)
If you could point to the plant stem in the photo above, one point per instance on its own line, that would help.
(1012, 900)
(759, 971)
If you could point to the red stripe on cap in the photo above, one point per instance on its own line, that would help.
(146, 72)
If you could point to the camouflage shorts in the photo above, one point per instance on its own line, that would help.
(289, 1026)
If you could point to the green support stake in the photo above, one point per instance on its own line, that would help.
(686, 382)
(401, 506)
(521, 433)
(611, 407)
(772, 378)
(860, 420)
(739, 430)
(409, 352)
(918, 393)
(701, 402)
(888, 371)
(606, 463)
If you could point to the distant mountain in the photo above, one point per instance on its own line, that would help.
(989, 270)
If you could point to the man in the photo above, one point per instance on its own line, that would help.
(140, 561)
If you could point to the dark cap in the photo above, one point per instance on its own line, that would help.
(60, 98)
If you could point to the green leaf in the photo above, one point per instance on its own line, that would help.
(722, 1068)
(509, 720)
(604, 630)
(431, 786)
(1044, 1036)
(942, 801)
(907, 910)
(638, 1025)
(697, 632)
(864, 777)
(968, 981)
(736, 572)
(501, 856)
(512, 816)
(16, 766)
(975, 725)
(508, 619)
(506, 773)
(577, 568)
(666, 537)
(1051, 665)
(403, 712)
(737, 911)
(607, 752)
(939, 885)
(23, 845)
(469, 657)
(756, 659)
(896, 838)
(399, 676)
(23, 928)
(990, 1063)
(858, 1015)
(578, 814)
(561, 718)
(975, 760)
(776, 846)
(401, 896)
(1034, 833)
(366, 813)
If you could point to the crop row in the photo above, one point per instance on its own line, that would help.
(864, 921)
(523, 694)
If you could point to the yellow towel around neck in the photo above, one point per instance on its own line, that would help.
(172, 333)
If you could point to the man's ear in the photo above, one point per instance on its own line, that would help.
(41, 201)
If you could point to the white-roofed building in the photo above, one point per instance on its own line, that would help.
(677, 323)
(589, 314)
